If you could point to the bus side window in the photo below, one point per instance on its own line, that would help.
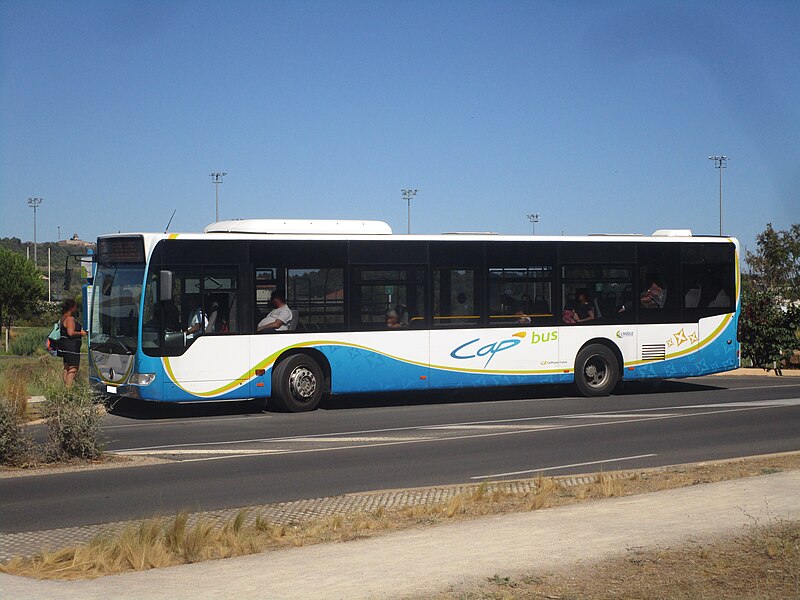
(658, 292)
(390, 298)
(220, 299)
(317, 296)
(454, 298)
(520, 296)
(708, 280)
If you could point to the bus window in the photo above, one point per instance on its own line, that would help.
(708, 280)
(520, 296)
(593, 294)
(317, 298)
(266, 284)
(454, 298)
(658, 285)
(220, 299)
(390, 299)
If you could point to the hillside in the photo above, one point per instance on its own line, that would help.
(58, 257)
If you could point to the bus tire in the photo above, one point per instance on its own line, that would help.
(596, 371)
(297, 384)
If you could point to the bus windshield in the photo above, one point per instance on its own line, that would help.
(115, 308)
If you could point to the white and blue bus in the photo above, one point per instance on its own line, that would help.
(175, 317)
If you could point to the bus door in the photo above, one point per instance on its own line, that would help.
(204, 358)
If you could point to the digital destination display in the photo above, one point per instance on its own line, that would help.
(120, 250)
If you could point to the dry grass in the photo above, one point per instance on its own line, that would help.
(164, 542)
(14, 390)
(763, 564)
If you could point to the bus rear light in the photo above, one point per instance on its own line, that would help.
(143, 378)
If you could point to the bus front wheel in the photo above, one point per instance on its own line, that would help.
(596, 370)
(298, 383)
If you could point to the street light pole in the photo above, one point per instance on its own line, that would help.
(720, 162)
(216, 179)
(407, 195)
(34, 203)
(534, 219)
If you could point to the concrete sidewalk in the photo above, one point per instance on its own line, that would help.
(421, 561)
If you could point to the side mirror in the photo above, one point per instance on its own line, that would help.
(67, 278)
(165, 286)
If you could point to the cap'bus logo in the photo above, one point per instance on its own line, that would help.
(471, 349)
(549, 336)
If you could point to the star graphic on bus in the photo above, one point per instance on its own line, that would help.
(693, 338)
(680, 337)
(670, 343)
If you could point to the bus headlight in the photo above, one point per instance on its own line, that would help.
(143, 378)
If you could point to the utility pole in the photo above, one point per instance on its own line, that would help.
(720, 162)
(34, 203)
(534, 219)
(407, 195)
(49, 274)
(216, 179)
(59, 233)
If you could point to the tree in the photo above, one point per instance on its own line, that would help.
(21, 288)
(775, 266)
(770, 319)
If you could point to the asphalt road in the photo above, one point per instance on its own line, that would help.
(230, 455)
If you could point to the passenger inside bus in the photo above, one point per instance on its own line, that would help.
(584, 311)
(198, 322)
(280, 318)
(655, 295)
(393, 320)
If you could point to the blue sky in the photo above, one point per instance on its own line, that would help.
(599, 116)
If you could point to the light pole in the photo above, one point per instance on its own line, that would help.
(407, 195)
(216, 179)
(534, 219)
(720, 162)
(34, 203)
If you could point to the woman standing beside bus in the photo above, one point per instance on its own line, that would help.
(69, 346)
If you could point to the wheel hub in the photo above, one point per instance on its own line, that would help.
(596, 371)
(303, 384)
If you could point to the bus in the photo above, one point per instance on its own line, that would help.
(175, 317)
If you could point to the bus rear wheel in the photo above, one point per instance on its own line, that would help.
(596, 370)
(297, 384)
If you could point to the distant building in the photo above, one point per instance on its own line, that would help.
(76, 242)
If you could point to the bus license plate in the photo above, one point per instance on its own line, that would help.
(111, 389)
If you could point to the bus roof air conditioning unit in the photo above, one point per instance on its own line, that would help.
(300, 227)
(673, 233)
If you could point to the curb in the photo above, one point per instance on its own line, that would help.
(750, 372)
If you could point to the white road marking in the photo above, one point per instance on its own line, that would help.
(484, 427)
(212, 420)
(193, 451)
(613, 416)
(478, 435)
(583, 464)
(756, 404)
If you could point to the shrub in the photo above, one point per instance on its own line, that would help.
(14, 441)
(767, 329)
(73, 422)
(29, 342)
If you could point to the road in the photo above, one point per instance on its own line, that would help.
(230, 455)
